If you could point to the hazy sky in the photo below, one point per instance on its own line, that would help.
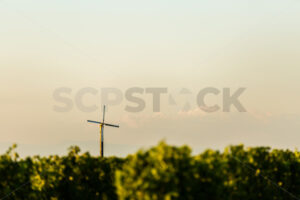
(45, 45)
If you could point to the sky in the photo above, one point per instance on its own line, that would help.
(47, 45)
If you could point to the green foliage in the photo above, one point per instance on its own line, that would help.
(73, 176)
(166, 172)
(161, 173)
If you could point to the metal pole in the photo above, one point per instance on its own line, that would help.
(102, 134)
(101, 140)
(103, 114)
(101, 126)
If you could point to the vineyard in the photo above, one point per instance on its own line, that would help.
(161, 173)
